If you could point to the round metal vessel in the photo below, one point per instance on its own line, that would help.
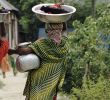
(27, 62)
(53, 18)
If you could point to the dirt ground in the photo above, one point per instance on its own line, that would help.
(14, 85)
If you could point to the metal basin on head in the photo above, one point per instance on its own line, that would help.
(53, 18)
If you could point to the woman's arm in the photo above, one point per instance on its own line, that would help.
(12, 51)
(20, 51)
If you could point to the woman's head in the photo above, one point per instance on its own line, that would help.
(55, 31)
(2, 30)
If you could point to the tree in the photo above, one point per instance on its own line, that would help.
(90, 57)
(93, 7)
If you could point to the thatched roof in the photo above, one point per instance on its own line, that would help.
(7, 5)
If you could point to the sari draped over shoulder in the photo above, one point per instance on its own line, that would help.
(42, 83)
(4, 46)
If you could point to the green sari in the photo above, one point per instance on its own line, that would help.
(42, 83)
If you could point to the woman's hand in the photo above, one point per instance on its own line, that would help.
(12, 51)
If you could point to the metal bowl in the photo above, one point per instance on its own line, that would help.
(53, 18)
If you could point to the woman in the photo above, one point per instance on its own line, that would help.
(4, 46)
(5, 65)
(13, 65)
(43, 83)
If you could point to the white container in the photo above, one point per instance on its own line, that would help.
(53, 18)
(27, 62)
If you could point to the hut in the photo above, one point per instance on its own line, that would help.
(8, 14)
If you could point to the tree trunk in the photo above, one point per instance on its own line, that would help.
(93, 2)
(86, 76)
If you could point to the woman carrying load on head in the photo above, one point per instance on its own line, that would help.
(44, 82)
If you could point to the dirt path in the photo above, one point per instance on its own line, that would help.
(13, 87)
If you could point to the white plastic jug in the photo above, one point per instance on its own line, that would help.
(27, 62)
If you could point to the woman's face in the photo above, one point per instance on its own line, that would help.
(55, 35)
(54, 32)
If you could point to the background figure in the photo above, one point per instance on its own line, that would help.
(5, 65)
(13, 64)
(43, 83)
(4, 46)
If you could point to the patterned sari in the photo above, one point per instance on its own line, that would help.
(43, 82)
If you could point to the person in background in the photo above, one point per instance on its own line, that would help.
(5, 65)
(13, 64)
(43, 83)
(4, 46)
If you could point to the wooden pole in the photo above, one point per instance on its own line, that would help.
(10, 33)
(16, 31)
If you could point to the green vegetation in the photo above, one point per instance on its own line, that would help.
(89, 73)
